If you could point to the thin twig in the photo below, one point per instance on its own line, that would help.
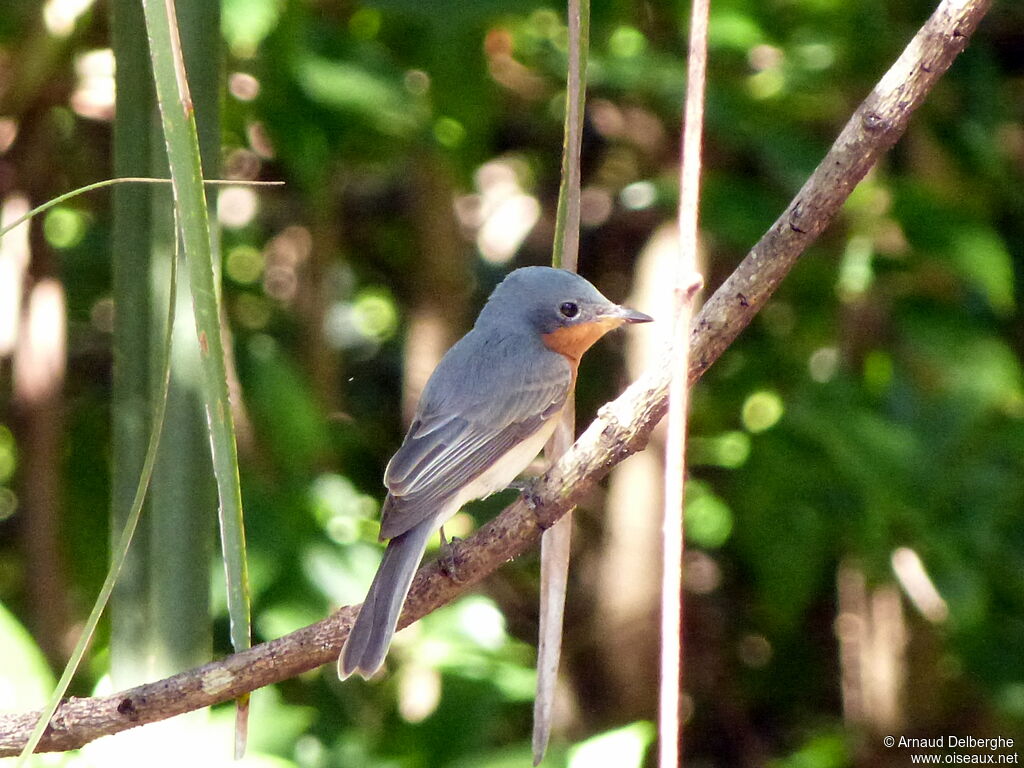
(687, 284)
(622, 428)
(555, 547)
(123, 180)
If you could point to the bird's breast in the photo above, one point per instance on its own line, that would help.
(572, 341)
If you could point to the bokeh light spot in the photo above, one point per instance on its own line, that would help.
(733, 29)
(237, 206)
(101, 316)
(374, 314)
(93, 96)
(732, 449)
(729, 449)
(638, 195)
(502, 214)
(64, 227)
(596, 206)
(419, 692)
(703, 574)
(816, 56)
(855, 271)
(708, 519)
(8, 133)
(481, 621)
(766, 84)
(449, 132)
(627, 42)
(822, 364)
(8, 454)
(417, 82)
(244, 264)
(8, 503)
(243, 86)
(764, 57)
(61, 16)
(761, 411)
(545, 23)
(252, 312)
(246, 23)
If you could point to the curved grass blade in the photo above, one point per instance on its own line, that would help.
(179, 128)
(120, 554)
(121, 180)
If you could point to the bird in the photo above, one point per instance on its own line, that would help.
(486, 412)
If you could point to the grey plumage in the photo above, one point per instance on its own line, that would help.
(485, 413)
(478, 404)
(368, 642)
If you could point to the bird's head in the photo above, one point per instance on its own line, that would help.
(564, 309)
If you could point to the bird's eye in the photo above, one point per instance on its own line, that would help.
(569, 309)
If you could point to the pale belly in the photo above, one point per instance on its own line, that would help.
(504, 470)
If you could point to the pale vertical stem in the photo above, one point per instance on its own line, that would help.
(687, 284)
(556, 542)
(555, 549)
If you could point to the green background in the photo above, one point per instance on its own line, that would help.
(870, 419)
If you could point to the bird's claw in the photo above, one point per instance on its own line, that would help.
(533, 502)
(447, 561)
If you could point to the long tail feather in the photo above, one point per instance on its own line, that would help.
(371, 634)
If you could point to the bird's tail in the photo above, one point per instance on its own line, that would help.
(370, 636)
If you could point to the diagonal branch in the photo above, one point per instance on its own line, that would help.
(621, 428)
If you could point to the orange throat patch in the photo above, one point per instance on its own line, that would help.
(573, 340)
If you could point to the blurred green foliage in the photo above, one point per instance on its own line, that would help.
(876, 404)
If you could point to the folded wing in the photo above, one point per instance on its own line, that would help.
(455, 439)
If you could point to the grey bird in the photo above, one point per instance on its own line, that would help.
(485, 413)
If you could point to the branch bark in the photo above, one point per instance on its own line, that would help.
(622, 427)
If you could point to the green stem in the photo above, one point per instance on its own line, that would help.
(565, 248)
(121, 180)
(190, 201)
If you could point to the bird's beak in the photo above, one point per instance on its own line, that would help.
(626, 315)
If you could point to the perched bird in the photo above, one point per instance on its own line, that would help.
(486, 412)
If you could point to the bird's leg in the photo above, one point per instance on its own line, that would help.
(526, 486)
(447, 560)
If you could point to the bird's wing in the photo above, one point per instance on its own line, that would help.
(457, 439)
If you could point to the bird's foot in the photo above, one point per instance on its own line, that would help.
(527, 490)
(530, 497)
(448, 561)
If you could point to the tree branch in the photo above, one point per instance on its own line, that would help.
(621, 428)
